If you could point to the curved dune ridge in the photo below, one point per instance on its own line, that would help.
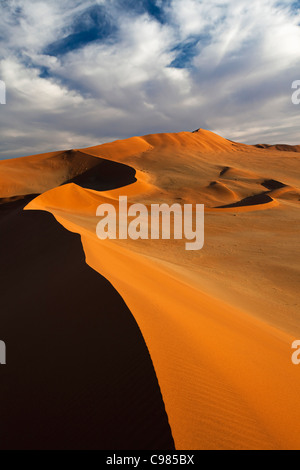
(218, 323)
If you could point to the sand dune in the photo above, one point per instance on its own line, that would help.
(37, 174)
(280, 147)
(218, 323)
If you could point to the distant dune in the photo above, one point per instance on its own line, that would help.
(218, 324)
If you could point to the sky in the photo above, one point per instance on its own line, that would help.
(81, 73)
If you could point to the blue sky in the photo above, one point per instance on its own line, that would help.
(81, 73)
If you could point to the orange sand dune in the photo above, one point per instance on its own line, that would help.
(280, 147)
(37, 174)
(218, 323)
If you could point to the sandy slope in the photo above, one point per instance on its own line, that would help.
(218, 323)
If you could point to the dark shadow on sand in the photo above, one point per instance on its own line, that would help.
(78, 373)
(105, 175)
(250, 201)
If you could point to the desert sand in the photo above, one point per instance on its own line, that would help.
(217, 324)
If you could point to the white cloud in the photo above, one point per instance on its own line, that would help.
(237, 79)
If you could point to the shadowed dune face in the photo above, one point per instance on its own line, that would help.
(40, 173)
(272, 184)
(105, 176)
(256, 200)
(280, 147)
(264, 197)
(219, 323)
(79, 374)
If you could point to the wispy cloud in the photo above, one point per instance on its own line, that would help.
(80, 73)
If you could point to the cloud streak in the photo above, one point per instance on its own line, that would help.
(80, 73)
